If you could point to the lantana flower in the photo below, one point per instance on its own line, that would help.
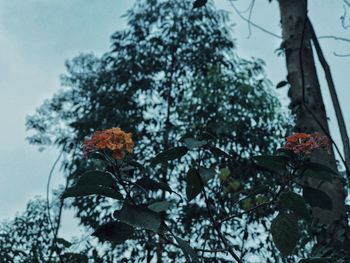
(114, 139)
(306, 143)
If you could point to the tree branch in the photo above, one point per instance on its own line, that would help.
(334, 96)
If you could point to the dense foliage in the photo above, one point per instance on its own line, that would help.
(172, 79)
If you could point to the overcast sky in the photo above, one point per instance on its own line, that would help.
(37, 36)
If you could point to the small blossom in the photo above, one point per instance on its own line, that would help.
(114, 139)
(306, 143)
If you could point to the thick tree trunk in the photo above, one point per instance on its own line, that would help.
(308, 108)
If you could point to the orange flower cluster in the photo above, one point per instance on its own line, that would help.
(113, 139)
(306, 143)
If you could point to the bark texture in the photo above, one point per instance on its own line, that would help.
(309, 110)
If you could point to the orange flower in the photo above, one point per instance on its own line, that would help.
(306, 143)
(113, 139)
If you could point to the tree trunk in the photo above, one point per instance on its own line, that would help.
(310, 116)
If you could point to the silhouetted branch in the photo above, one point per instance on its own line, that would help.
(341, 55)
(334, 96)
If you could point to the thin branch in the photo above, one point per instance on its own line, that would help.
(251, 7)
(334, 97)
(53, 229)
(342, 19)
(217, 226)
(335, 38)
(252, 23)
(341, 55)
(248, 20)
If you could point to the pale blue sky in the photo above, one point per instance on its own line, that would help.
(37, 36)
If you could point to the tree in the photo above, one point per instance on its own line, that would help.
(28, 237)
(171, 75)
(309, 110)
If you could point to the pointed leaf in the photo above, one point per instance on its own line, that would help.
(169, 155)
(190, 254)
(217, 152)
(194, 185)
(159, 206)
(115, 231)
(319, 171)
(153, 185)
(63, 242)
(84, 190)
(96, 178)
(296, 203)
(138, 216)
(285, 233)
(317, 198)
(272, 163)
(281, 84)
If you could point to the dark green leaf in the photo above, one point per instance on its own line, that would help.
(317, 198)
(217, 152)
(272, 163)
(319, 171)
(296, 203)
(196, 180)
(116, 232)
(84, 190)
(137, 165)
(193, 143)
(153, 185)
(281, 84)
(285, 233)
(138, 216)
(96, 178)
(194, 184)
(169, 155)
(159, 206)
(190, 254)
(63, 242)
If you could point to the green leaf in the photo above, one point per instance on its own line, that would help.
(224, 173)
(169, 155)
(194, 185)
(285, 233)
(296, 203)
(159, 206)
(190, 254)
(193, 143)
(319, 171)
(115, 231)
(317, 198)
(196, 180)
(317, 260)
(153, 185)
(217, 152)
(272, 163)
(281, 84)
(138, 216)
(96, 178)
(63, 242)
(137, 165)
(84, 190)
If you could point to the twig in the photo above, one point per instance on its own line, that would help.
(217, 226)
(335, 38)
(53, 229)
(252, 23)
(341, 55)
